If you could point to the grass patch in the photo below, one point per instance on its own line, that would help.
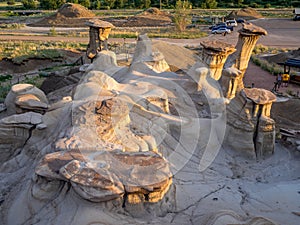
(4, 78)
(5, 6)
(261, 49)
(272, 68)
(5, 88)
(159, 33)
(12, 26)
(18, 51)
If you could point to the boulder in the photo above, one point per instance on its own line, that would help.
(102, 176)
(25, 97)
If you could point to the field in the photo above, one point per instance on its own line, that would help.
(22, 43)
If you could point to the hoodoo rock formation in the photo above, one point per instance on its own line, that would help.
(141, 144)
(250, 129)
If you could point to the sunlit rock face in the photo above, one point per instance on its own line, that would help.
(250, 129)
(131, 145)
(215, 54)
(248, 36)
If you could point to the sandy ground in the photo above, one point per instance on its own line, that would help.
(263, 79)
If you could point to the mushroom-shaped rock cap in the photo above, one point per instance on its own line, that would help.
(99, 23)
(251, 29)
(259, 96)
(218, 46)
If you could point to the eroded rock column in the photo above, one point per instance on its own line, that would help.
(215, 54)
(250, 130)
(99, 32)
(248, 37)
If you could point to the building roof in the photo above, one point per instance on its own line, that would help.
(292, 63)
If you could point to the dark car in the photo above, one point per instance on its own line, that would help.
(240, 21)
(216, 25)
(222, 26)
(296, 18)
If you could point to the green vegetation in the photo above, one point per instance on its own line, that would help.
(7, 5)
(5, 87)
(182, 15)
(4, 78)
(11, 26)
(160, 33)
(138, 4)
(272, 68)
(18, 51)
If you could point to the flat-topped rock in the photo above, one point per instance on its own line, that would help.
(31, 102)
(109, 174)
(259, 96)
(99, 23)
(218, 46)
(25, 118)
(251, 29)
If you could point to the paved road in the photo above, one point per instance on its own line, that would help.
(283, 33)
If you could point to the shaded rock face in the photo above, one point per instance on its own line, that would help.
(250, 129)
(25, 97)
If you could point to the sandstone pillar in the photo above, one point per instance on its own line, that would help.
(248, 37)
(214, 54)
(98, 33)
(250, 129)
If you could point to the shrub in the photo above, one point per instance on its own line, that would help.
(52, 31)
(11, 2)
(30, 4)
(182, 15)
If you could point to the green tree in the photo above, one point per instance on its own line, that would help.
(30, 4)
(73, 1)
(182, 14)
(51, 4)
(96, 4)
(85, 3)
(110, 4)
(209, 4)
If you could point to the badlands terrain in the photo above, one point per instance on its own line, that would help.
(173, 137)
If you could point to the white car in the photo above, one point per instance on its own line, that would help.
(232, 23)
(221, 30)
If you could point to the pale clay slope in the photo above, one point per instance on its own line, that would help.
(231, 190)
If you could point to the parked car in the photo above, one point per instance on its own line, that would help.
(296, 18)
(231, 23)
(217, 25)
(240, 21)
(223, 26)
(222, 30)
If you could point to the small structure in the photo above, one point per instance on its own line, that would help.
(99, 32)
(294, 63)
(296, 14)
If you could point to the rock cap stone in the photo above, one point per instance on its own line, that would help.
(218, 46)
(99, 23)
(259, 96)
(251, 29)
